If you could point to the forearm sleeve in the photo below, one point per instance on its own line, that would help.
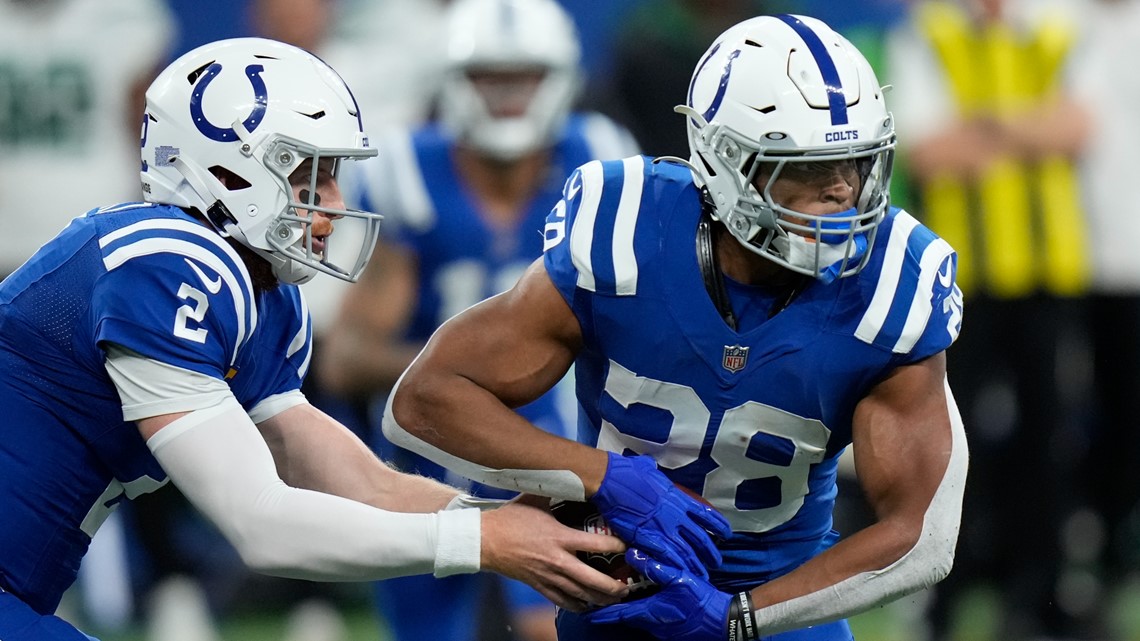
(217, 459)
(557, 484)
(927, 563)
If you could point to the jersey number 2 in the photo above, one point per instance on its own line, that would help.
(186, 314)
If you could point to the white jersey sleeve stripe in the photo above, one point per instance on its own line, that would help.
(302, 339)
(160, 245)
(920, 308)
(876, 315)
(198, 231)
(172, 224)
(151, 388)
(582, 234)
(625, 263)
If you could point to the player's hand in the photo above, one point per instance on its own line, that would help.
(525, 542)
(687, 608)
(646, 509)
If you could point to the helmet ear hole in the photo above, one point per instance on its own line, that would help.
(229, 179)
(709, 170)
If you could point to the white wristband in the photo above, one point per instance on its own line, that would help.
(458, 542)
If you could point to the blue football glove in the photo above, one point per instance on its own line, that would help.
(687, 608)
(646, 510)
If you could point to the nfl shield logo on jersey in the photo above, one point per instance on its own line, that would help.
(735, 358)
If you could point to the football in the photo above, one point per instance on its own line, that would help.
(584, 516)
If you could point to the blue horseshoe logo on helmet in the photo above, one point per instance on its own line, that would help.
(721, 88)
(227, 134)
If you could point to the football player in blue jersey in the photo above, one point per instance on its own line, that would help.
(465, 200)
(167, 340)
(736, 321)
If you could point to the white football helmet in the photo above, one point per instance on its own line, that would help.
(776, 90)
(256, 109)
(488, 36)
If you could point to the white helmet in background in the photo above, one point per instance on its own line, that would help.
(777, 90)
(255, 110)
(488, 37)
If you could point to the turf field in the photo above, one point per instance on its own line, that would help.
(976, 620)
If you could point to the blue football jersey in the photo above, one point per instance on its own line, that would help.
(754, 420)
(156, 281)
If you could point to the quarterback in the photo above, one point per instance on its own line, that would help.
(167, 340)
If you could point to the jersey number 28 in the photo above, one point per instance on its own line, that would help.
(757, 488)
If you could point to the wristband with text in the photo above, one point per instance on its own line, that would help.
(741, 624)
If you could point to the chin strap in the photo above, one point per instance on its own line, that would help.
(714, 279)
(710, 271)
(216, 212)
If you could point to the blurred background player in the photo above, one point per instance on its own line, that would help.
(465, 199)
(72, 77)
(386, 51)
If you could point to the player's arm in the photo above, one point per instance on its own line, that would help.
(457, 397)
(454, 405)
(366, 352)
(910, 455)
(313, 451)
(217, 458)
(911, 459)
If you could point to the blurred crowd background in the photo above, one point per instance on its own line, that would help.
(1018, 138)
